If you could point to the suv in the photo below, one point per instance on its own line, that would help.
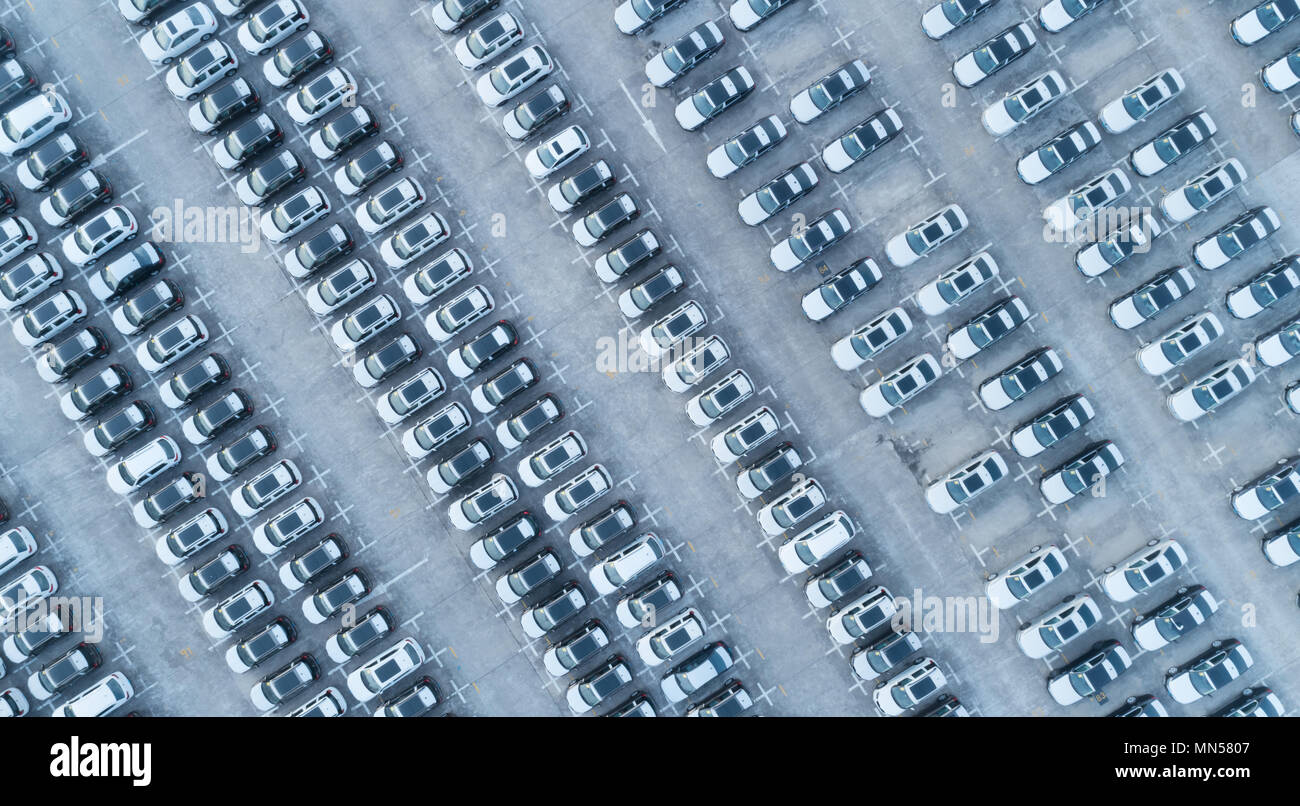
(329, 599)
(51, 160)
(270, 177)
(367, 168)
(357, 638)
(247, 141)
(602, 529)
(74, 197)
(580, 188)
(503, 541)
(61, 361)
(318, 251)
(256, 648)
(116, 430)
(331, 140)
(187, 385)
(435, 431)
(121, 275)
(287, 526)
(529, 117)
(236, 457)
(223, 105)
(206, 579)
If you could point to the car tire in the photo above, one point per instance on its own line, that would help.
(132, 236)
(231, 72)
(1172, 670)
(1216, 643)
(205, 37)
(1033, 549)
(1182, 590)
(1153, 541)
(1108, 569)
(990, 577)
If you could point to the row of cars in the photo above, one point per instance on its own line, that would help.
(767, 467)
(34, 621)
(229, 109)
(625, 564)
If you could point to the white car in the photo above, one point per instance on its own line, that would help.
(479, 504)
(1057, 153)
(684, 53)
(1023, 103)
(271, 25)
(1279, 346)
(172, 343)
(1186, 340)
(36, 584)
(694, 365)
(1282, 73)
(1141, 102)
(26, 124)
(669, 639)
(1226, 660)
(389, 205)
(745, 435)
(1270, 492)
(178, 33)
(1188, 609)
(292, 523)
(27, 279)
(1213, 389)
(516, 74)
(1264, 290)
(1152, 298)
(332, 89)
(747, 14)
(294, 214)
(143, 465)
(1025, 577)
(412, 394)
(1084, 472)
(1087, 675)
(557, 152)
(714, 98)
(994, 54)
(190, 537)
(99, 235)
(551, 459)
(365, 322)
(1205, 190)
(926, 235)
(373, 677)
(893, 390)
(834, 293)
(830, 91)
(1173, 144)
(489, 40)
(1142, 570)
(340, 287)
(746, 147)
(98, 699)
(944, 17)
(264, 489)
(720, 398)
(1235, 238)
(1082, 203)
(626, 564)
(1282, 548)
(870, 339)
(1121, 244)
(914, 685)
(815, 238)
(959, 487)
(1056, 15)
(792, 507)
(1060, 626)
(672, 329)
(1050, 427)
(414, 240)
(987, 328)
(16, 545)
(777, 194)
(458, 313)
(576, 493)
(957, 284)
(238, 609)
(447, 269)
(857, 618)
(1262, 20)
(201, 69)
(52, 316)
(816, 543)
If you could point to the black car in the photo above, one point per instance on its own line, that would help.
(187, 385)
(370, 166)
(343, 132)
(294, 60)
(95, 393)
(581, 187)
(16, 81)
(122, 274)
(257, 647)
(286, 682)
(63, 671)
(152, 304)
(247, 140)
(352, 641)
(225, 566)
(51, 160)
(65, 358)
(418, 700)
(217, 416)
(321, 249)
(223, 105)
(493, 342)
(528, 118)
(74, 197)
(125, 424)
(236, 457)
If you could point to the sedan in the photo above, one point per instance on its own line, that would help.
(1265, 289)
(1083, 472)
(747, 14)
(945, 17)
(746, 147)
(1056, 15)
(1050, 427)
(1173, 144)
(836, 292)
(994, 55)
(1141, 102)
(819, 235)
(714, 98)
(631, 16)
(1211, 390)
(1226, 660)
(987, 328)
(861, 141)
(1268, 493)
(178, 33)
(1058, 627)
(1021, 104)
(1088, 675)
(684, 53)
(1262, 20)
(957, 284)
(898, 387)
(1056, 154)
(778, 193)
(1204, 191)
(1018, 380)
(1188, 339)
(1124, 241)
(868, 340)
(1188, 609)
(1066, 214)
(515, 75)
(1026, 577)
(99, 235)
(927, 235)
(958, 488)
(1234, 239)
(830, 91)
(1152, 298)
(1278, 347)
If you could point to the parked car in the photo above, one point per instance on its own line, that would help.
(819, 235)
(1211, 391)
(1171, 145)
(1269, 492)
(296, 59)
(927, 235)
(352, 640)
(714, 98)
(247, 140)
(288, 525)
(1141, 102)
(602, 529)
(330, 598)
(200, 69)
(631, 17)
(530, 117)
(1020, 105)
(1173, 618)
(238, 609)
(841, 288)
(256, 648)
(271, 25)
(1018, 380)
(994, 55)
(1059, 626)
(489, 40)
(1188, 339)
(684, 54)
(384, 670)
(513, 76)
(1052, 426)
(1226, 660)
(987, 328)
(50, 160)
(1235, 238)
(209, 577)
(945, 17)
(1086, 676)
(342, 132)
(333, 89)
(222, 105)
(414, 701)
(777, 194)
(1084, 472)
(960, 486)
(1203, 191)
(1152, 298)
(581, 187)
(1025, 577)
(1058, 153)
(445, 271)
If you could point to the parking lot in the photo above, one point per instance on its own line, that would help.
(1175, 482)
